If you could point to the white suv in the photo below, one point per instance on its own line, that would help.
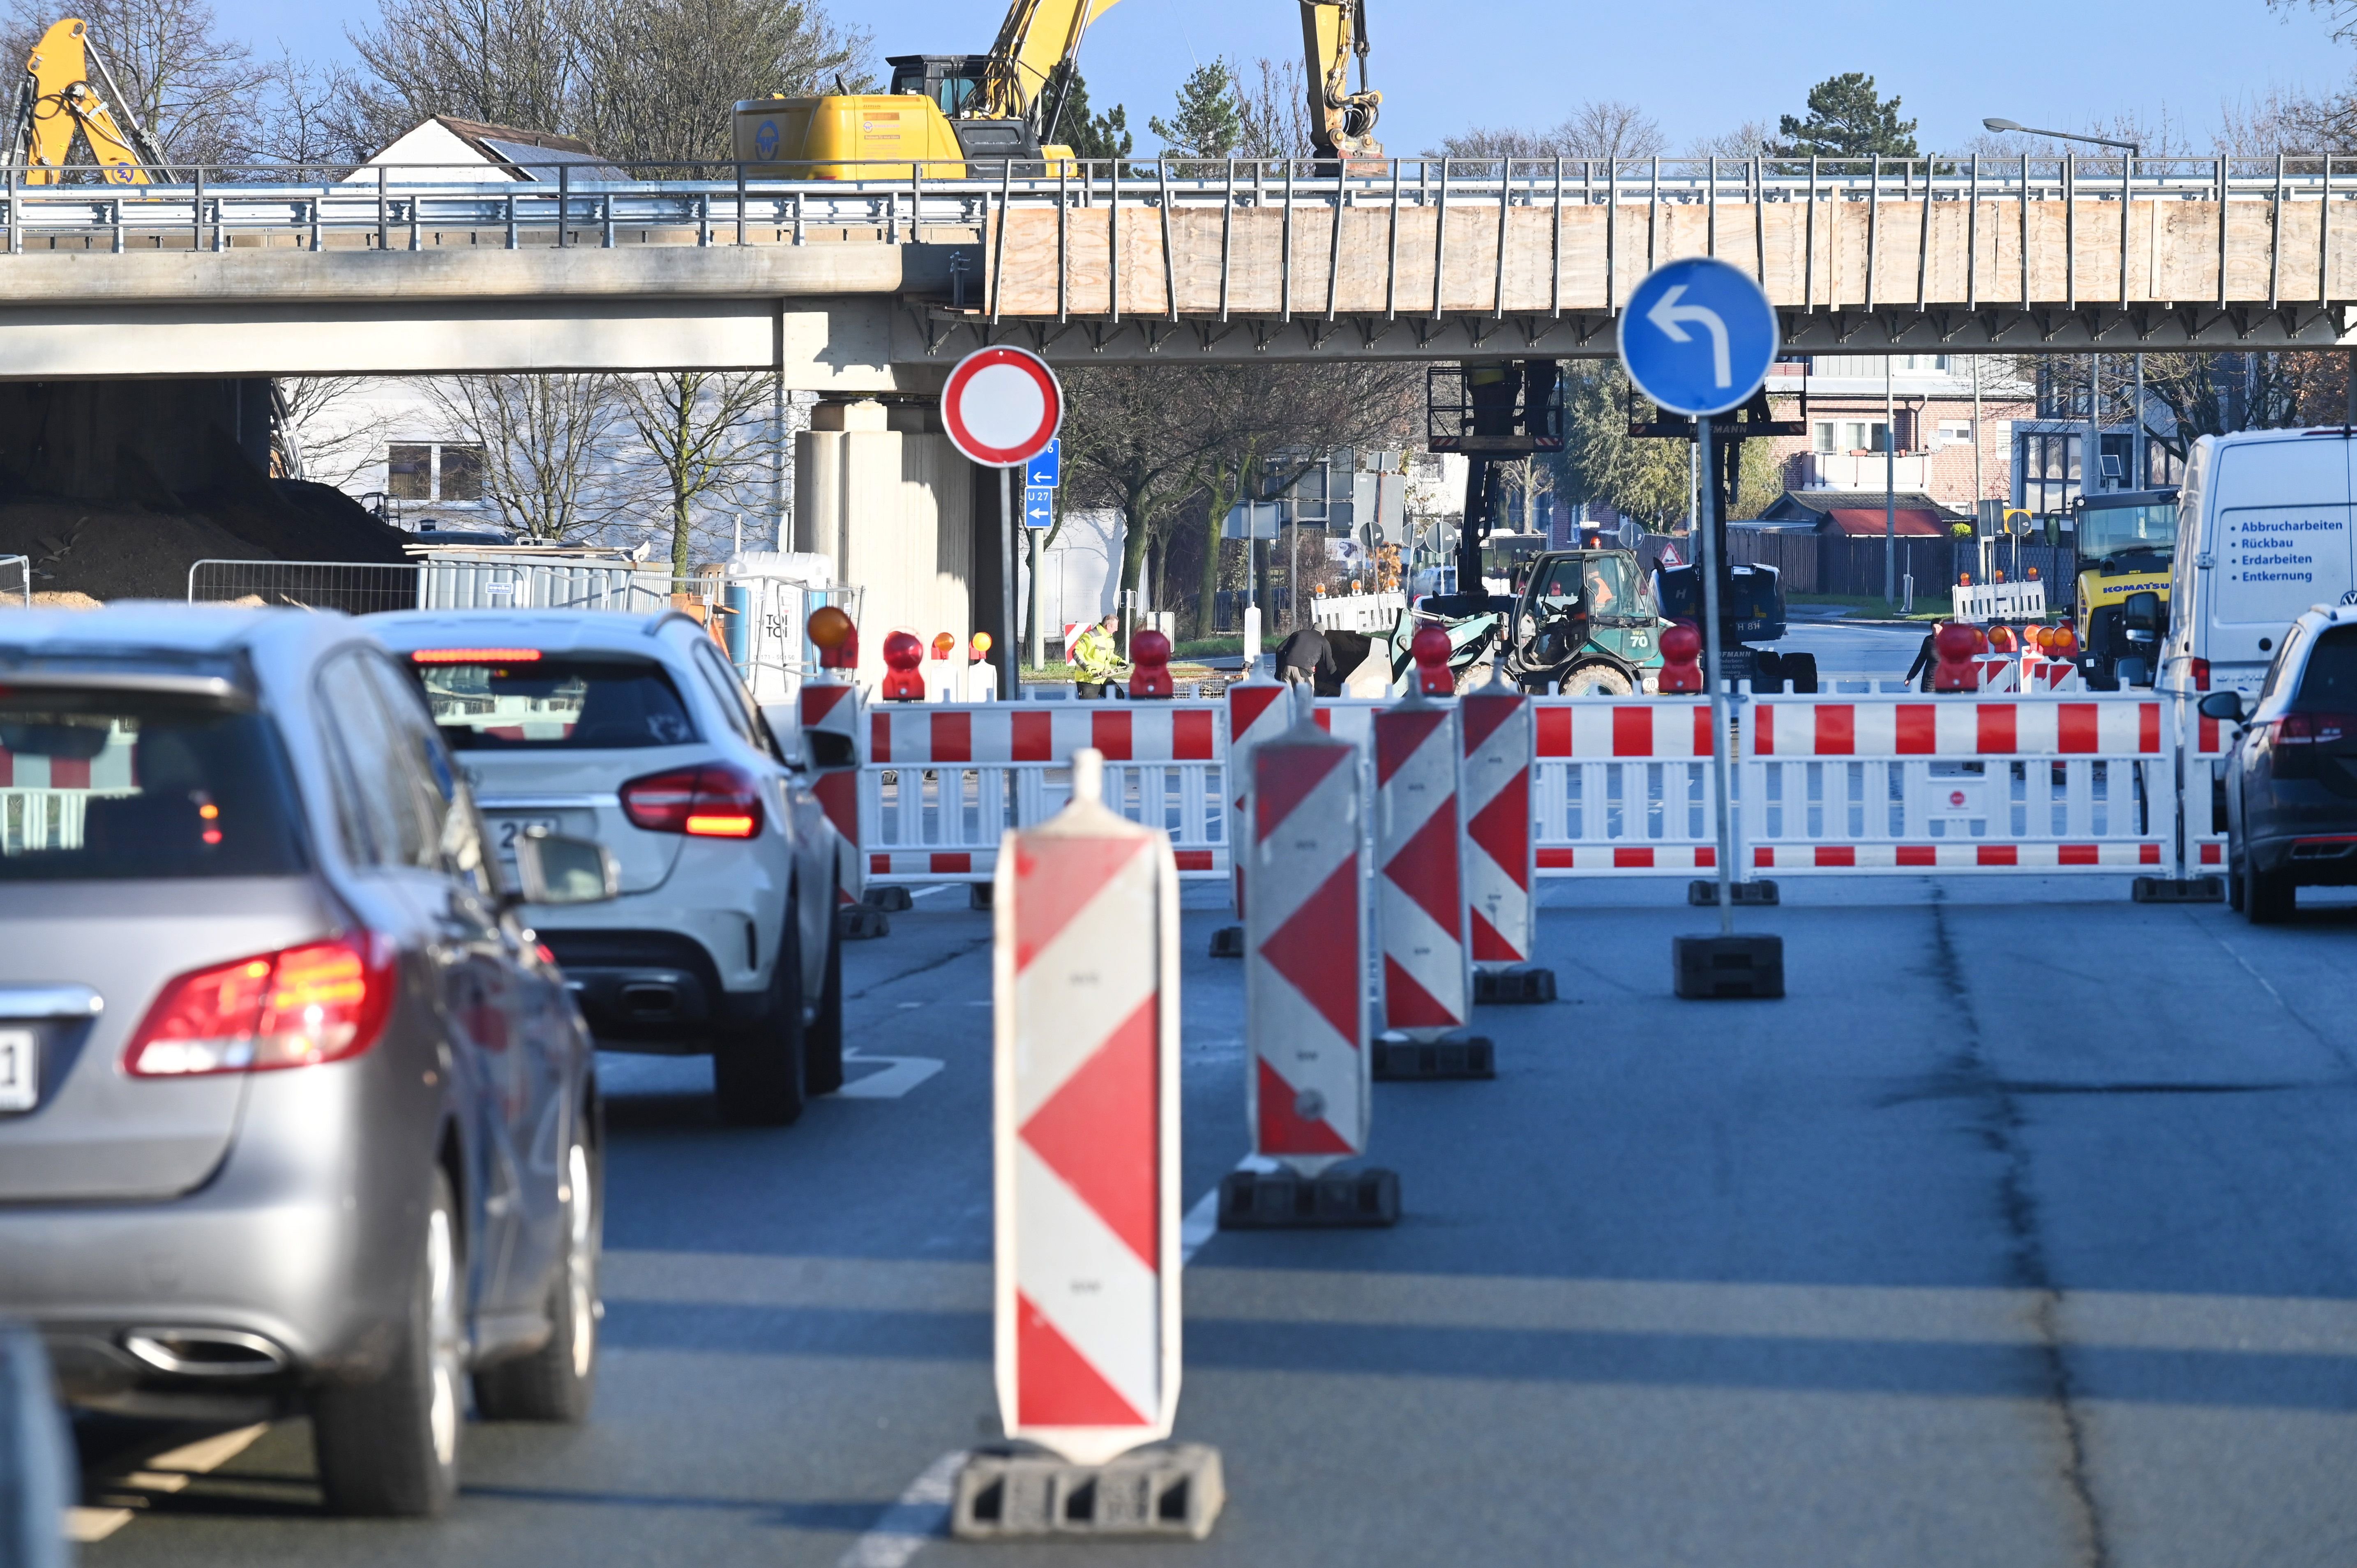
(636, 731)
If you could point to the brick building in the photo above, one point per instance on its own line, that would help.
(1936, 437)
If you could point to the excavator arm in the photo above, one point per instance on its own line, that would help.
(1341, 123)
(55, 100)
(1039, 40)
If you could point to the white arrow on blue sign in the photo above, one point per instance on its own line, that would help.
(1039, 507)
(1698, 337)
(1044, 472)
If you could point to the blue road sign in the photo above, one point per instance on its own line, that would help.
(1039, 507)
(1043, 472)
(1698, 337)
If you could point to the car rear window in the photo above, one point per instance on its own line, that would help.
(98, 787)
(2329, 684)
(554, 703)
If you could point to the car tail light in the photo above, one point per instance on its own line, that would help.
(712, 801)
(319, 1003)
(476, 656)
(2201, 674)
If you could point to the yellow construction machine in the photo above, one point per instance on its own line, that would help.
(949, 116)
(56, 99)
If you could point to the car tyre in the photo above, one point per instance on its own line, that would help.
(2268, 897)
(1596, 680)
(1799, 671)
(822, 1042)
(758, 1072)
(2235, 887)
(557, 1381)
(389, 1447)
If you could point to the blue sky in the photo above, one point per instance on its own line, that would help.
(1699, 67)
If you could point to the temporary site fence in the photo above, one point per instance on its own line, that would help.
(16, 580)
(1840, 783)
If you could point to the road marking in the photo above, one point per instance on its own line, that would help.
(168, 1472)
(900, 1075)
(917, 1518)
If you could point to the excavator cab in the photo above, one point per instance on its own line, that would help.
(949, 80)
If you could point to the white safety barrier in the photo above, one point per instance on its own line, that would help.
(1419, 833)
(1308, 1092)
(2202, 745)
(1357, 612)
(1983, 602)
(1086, 1131)
(833, 704)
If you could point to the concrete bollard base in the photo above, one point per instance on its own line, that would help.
(1517, 984)
(1398, 1058)
(1282, 1200)
(1703, 892)
(891, 900)
(1170, 1491)
(977, 895)
(1227, 941)
(1718, 969)
(2179, 890)
(861, 922)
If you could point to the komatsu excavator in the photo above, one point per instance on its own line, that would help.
(954, 115)
(55, 100)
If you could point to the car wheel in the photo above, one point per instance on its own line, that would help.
(389, 1447)
(1801, 674)
(2235, 885)
(822, 1043)
(1596, 680)
(758, 1072)
(2268, 897)
(557, 1381)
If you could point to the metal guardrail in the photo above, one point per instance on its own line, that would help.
(17, 569)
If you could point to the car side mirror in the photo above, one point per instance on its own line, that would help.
(2140, 614)
(2224, 706)
(556, 869)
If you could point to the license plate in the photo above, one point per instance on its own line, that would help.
(506, 831)
(20, 1069)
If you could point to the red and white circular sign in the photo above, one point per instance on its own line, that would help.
(1002, 406)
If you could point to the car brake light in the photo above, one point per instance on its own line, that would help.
(322, 1001)
(2201, 675)
(475, 656)
(712, 801)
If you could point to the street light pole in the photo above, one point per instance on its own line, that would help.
(1890, 489)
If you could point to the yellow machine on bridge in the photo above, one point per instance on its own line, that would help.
(56, 99)
(949, 116)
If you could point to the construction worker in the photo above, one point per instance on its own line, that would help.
(1098, 654)
(1307, 658)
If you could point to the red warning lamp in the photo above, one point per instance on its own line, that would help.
(902, 654)
(1681, 661)
(1952, 647)
(1431, 651)
(1150, 653)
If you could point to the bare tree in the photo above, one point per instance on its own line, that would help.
(510, 62)
(552, 448)
(1604, 128)
(658, 76)
(305, 119)
(1754, 138)
(703, 439)
(325, 430)
(1274, 102)
(194, 89)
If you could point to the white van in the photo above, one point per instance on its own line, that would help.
(2263, 533)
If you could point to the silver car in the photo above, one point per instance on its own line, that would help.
(294, 1116)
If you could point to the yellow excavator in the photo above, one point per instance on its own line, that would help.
(56, 99)
(952, 116)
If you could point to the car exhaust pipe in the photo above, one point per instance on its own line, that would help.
(206, 1352)
(649, 1001)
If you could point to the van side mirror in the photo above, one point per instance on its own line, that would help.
(2140, 614)
(2224, 706)
(556, 869)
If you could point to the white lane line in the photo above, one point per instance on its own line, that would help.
(923, 1514)
(920, 1515)
(168, 1472)
(900, 1075)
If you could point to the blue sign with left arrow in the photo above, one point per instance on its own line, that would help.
(1039, 507)
(1698, 337)
(1043, 472)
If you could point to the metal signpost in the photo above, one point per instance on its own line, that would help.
(1697, 338)
(1002, 408)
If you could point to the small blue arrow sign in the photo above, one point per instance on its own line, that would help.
(1698, 337)
(1039, 507)
(1043, 472)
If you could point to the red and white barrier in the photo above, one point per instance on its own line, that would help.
(1500, 740)
(1821, 726)
(1086, 1123)
(1255, 714)
(1307, 1091)
(833, 706)
(1420, 911)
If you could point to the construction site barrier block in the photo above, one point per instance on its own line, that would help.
(1519, 985)
(1227, 941)
(1172, 1490)
(1399, 1058)
(1281, 1200)
(861, 923)
(891, 900)
(977, 896)
(2179, 890)
(1726, 968)
(1703, 892)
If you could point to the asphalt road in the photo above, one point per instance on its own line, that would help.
(2018, 1234)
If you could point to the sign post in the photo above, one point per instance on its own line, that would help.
(1002, 408)
(1697, 338)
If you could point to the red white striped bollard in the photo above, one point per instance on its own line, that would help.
(1254, 715)
(1500, 738)
(1307, 1089)
(1085, 1166)
(1420, 911)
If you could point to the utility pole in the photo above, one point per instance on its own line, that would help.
(1980, 487)
(2137, 481)
(1889, 487)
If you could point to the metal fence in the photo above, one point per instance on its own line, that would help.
(16, 580)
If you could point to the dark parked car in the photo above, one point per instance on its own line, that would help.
(293, 1115)
(2291, 778)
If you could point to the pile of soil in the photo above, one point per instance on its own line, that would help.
(124, 550)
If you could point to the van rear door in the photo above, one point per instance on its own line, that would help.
(2280, 543)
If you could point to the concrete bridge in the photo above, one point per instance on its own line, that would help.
(876, 285)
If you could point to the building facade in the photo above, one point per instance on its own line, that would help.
(1905, 421)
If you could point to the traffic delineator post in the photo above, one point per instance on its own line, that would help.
(1086, 1169)
(828, 702)
(1306, 1084)
(1421, 917)
(1499, 734)
(1254, 715)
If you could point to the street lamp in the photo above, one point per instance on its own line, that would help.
(2091, 462)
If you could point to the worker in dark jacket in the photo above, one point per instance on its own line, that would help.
(1306, 658)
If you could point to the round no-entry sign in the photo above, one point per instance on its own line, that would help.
(1002, 406)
